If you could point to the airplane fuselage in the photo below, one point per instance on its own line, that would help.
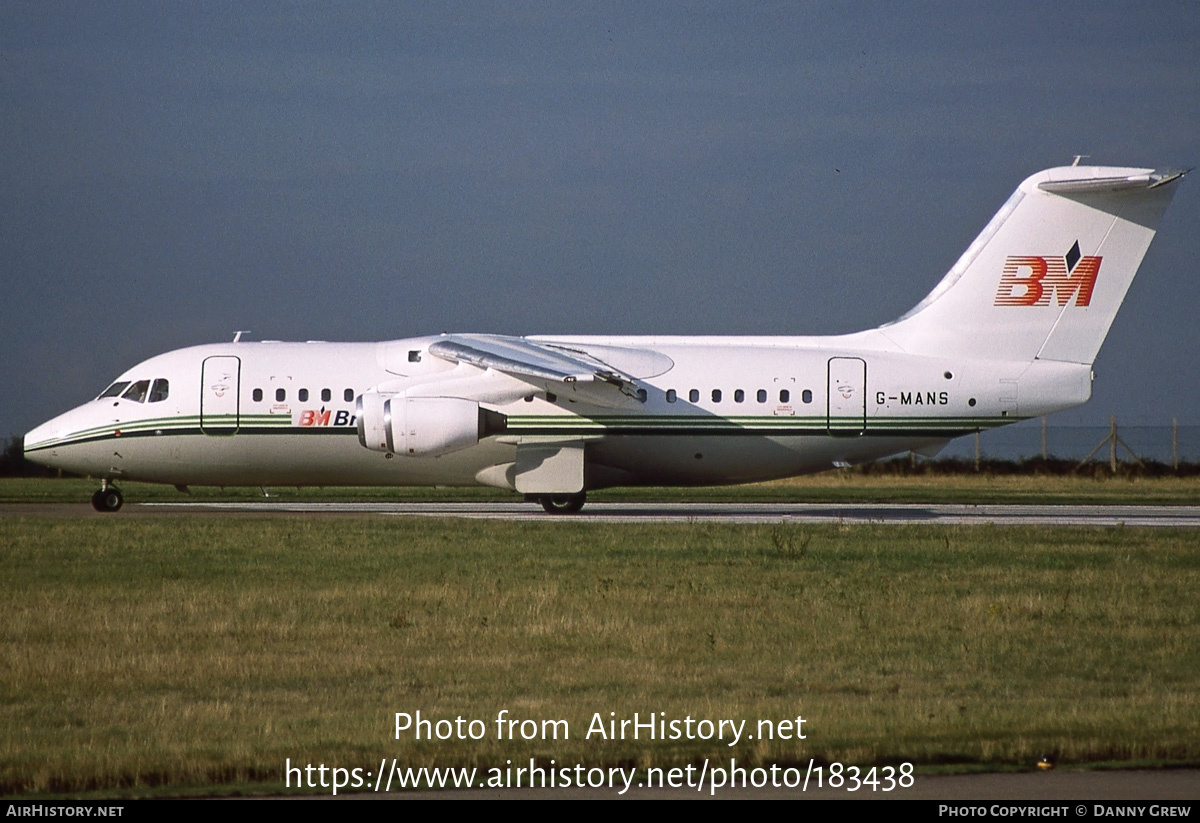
(717, 411)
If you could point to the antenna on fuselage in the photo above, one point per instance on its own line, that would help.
(1079, 157)
(237, 335)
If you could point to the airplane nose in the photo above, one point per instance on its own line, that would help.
(63, 443)
(39, 445)
(39, 436)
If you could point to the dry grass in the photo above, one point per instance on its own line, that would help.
(191, 651)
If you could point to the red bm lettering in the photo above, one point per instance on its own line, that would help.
(309, 417)
(1030, 281)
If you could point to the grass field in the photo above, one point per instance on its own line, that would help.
(181, 652)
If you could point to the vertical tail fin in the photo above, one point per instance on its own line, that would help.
(1046, 276)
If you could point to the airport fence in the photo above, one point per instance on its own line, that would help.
(1172, 446)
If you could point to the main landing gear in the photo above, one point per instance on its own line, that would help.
(108, 498)
(563, 503)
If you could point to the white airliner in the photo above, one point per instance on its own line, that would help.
(1010, 332)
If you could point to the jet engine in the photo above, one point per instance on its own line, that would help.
(423, 426)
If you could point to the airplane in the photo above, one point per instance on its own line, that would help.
(1010, 332)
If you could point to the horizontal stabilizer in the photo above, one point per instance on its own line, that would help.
(1081, 185)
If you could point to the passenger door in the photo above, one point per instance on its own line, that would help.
(220, 390)
(847, 396)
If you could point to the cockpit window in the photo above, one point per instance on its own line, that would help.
(160, 390)
(114, 390)
(137, 392)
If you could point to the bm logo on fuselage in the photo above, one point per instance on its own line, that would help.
(325, 417)
(1030, 281)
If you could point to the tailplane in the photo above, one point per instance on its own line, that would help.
(1046, 276)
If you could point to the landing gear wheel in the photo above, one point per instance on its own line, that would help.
(563, 503)
(108, 499)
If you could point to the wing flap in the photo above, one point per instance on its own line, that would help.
(542, 365)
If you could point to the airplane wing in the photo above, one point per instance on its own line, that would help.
(552, 367)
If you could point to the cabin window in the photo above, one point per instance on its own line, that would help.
(806, 395)
(137, 392)
(257, 395)
(348, 395)
(414, 356)
(761, 397)
(159, 390)
(716, 395)
(694, 396)
(739, 396)
(784, 395)
(303, 395)
(280, 395)
(326, 395)
(114, 390)
(671, 397)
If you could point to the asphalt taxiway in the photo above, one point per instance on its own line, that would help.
(934, 513)
(748, 513)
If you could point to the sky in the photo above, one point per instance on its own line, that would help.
(173, 172)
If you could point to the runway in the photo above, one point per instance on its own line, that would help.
(897, 513)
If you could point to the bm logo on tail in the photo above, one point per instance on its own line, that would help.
(1030, 281)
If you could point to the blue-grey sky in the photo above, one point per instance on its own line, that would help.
(175, 171)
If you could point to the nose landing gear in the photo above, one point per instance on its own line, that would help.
(108, 498)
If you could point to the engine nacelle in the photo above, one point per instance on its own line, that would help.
(372, 427)
(422, 426)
